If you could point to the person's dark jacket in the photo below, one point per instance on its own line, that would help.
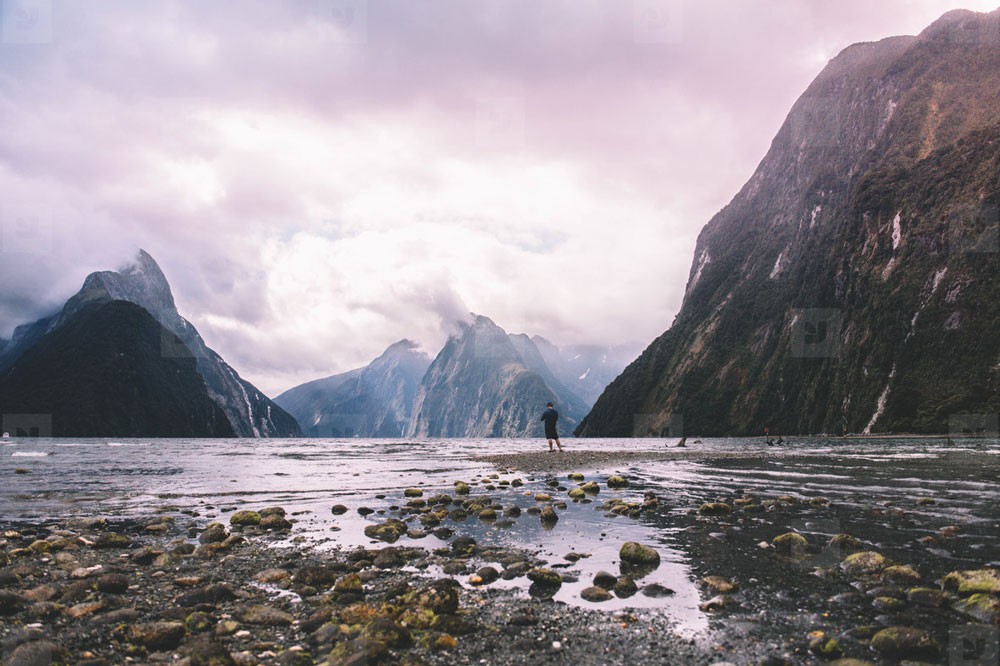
(550, 416)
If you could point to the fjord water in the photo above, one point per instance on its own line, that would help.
(209, 479)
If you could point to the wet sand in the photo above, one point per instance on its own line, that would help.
(575, 459)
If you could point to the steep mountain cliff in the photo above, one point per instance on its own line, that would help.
(250, 413)
(102, 375)
(480, 385)
(852, 284)
(374, 401)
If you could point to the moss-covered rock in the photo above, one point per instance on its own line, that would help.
(390, 531)
(973, 581)
(360, 652)
(444, 642)
(275, 521)
(413, 492)
(462, 488)
(825, 647)
(156, 635)
(198, 622)
(544, 576)
(632, 552)
(719, 585)
(715, 509)
(901, 574)
(790, 543)
(616, 481)
(549, 515)
(605, 580)
(595, 594)
(625, 587)
(440, 596)
(213, 533)
(575, 476)
(844, 543)
(905, 643)
(577, 493)
(112, 540)
(865, 563)
(591, 488)
(245, 518)
(351, 583)
(980, 606)
(926, 596)
(388, 632)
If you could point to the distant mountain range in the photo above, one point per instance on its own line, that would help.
(118, 360)
(852, 284)
(373, 401)
(133, 384)
(483, 383)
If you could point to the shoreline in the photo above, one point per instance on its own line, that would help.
(780, 577)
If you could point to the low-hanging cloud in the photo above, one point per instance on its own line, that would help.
(321, 178)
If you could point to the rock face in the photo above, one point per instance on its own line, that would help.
(248, 411)
(374, 401)
(102, 374)
(861, 253)
(480, 385)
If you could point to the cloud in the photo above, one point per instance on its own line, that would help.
(321, 178)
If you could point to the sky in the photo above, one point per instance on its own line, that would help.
(321, 178)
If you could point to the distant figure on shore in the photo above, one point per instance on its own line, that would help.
(550, 416)
(682, 443)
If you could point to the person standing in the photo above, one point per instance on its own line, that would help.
(550, 416)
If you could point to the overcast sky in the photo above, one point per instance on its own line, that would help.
(319, 179)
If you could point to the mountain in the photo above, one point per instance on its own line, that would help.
(102, 374)
(374, 401)
(586, 369)
(852, 284)
(249, 412)
(482, 385)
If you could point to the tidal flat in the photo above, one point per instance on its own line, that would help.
(731, 553)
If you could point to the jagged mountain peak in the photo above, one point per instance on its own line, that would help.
(964, 26)
(142, 282)
(404, 347)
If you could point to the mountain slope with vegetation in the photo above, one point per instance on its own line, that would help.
(852, 284)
